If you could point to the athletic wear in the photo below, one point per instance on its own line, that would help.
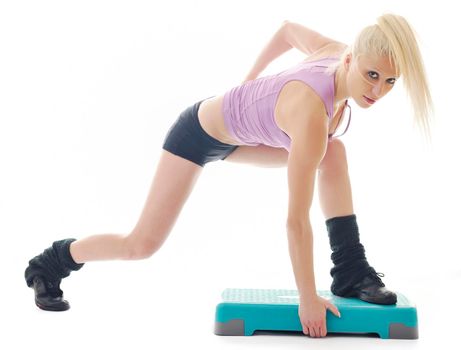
(53, 264)
(48, 296)
(249, 108)
(352, 275)
(372, 290)
(45, 272)
(187, 139)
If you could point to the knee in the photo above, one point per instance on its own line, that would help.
(335, 157)
(138, 246)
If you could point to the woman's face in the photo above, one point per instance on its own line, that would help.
(370, 78)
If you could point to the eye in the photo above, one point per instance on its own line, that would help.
(391, 81)
(373, 75)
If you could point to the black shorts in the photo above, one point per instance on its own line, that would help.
(186, 138)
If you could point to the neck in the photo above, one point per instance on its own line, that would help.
(341, 93)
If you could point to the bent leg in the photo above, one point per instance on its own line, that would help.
(261, 156)
(334, 187)
(352, 274)
(173, 182)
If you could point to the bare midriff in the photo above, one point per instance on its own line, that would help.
(211, 118)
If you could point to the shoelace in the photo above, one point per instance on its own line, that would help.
(376, 277)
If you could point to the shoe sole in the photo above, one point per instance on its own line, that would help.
(381, 302)
(51, 308)
(368, 300)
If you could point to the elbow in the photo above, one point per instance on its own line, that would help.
(285, 22)
(285, 28)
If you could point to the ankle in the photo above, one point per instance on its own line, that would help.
(342, 230)
(64, 248)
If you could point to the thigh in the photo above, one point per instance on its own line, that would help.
(261, 155)
(172, 184)
(335, 156)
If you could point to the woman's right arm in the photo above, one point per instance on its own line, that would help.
(308, 133)
(289, 35)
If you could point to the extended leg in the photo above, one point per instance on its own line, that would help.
(172, 184)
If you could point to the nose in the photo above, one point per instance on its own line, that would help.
(377, 90)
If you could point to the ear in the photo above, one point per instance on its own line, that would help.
(348, 61)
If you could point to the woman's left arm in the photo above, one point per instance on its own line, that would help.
(289, 35)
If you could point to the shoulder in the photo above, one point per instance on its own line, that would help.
(332, 49)
(335, 46)
(298, 105)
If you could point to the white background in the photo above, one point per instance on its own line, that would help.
(88, 90)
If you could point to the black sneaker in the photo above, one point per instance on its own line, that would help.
(48, 295)
(372, 290)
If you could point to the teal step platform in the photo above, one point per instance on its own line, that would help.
(244, 311)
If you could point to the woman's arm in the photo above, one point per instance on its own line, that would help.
(307, 126)
(308, 132)
(289, 35)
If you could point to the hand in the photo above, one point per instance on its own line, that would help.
(312, 315)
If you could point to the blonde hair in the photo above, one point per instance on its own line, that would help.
(393, 36)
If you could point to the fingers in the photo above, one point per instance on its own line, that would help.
(333, 309)
(316, 331)
(324, 328)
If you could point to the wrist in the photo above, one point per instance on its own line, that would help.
(307, 298)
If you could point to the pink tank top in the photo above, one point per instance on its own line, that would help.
(249, 108)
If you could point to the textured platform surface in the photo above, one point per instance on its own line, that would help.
(243, 311)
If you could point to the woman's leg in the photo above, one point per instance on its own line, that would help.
(352, 275)
(334, 187)
(174, 180)
(333, 178)
(261, 156)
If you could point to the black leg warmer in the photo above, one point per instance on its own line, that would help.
(350, 263)
(53, 264)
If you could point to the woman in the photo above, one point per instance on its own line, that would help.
(287, 119)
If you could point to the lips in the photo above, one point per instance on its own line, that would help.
(369, 100)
